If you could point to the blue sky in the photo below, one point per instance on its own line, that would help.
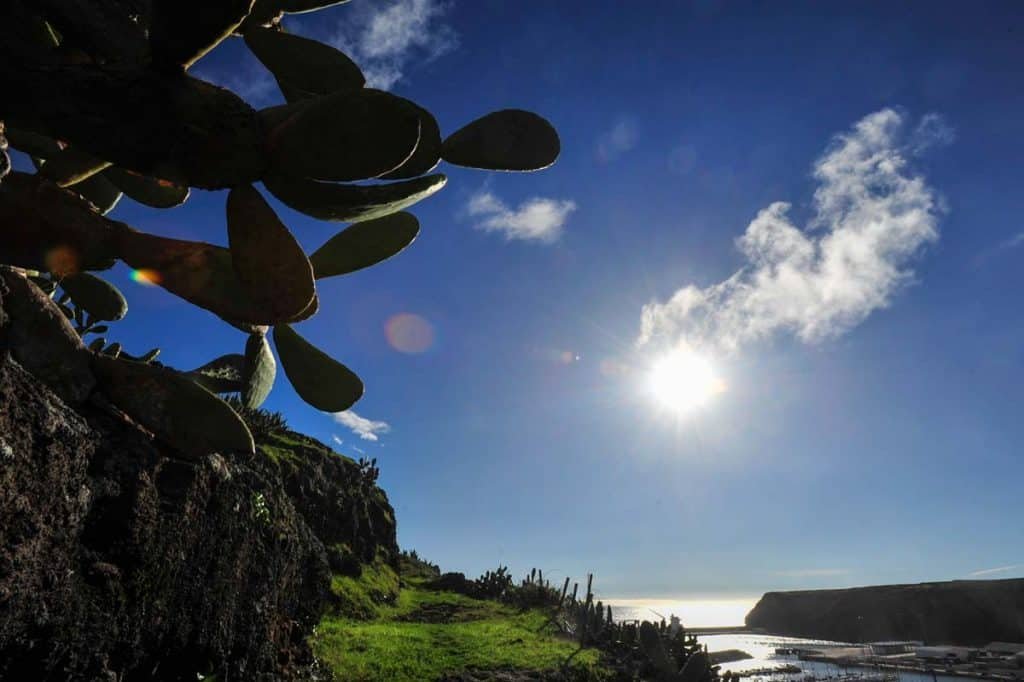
(869, 427)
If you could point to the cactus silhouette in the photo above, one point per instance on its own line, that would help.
(99, 95)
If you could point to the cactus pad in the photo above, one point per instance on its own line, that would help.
(145, 190)
(198, 272)
(99, 192)
(71, 165)
(428, 151)
(269, 262)
(258, 372)
(319, 379)
(176, 409)
(507, 140)
(350, 203)
(345, 136)
(221, 375)
(182, 31)
(364, 244)
(303, 68)
(96, 296)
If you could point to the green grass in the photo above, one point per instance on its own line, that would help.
(280, 448)
(481, 634)
(368, 595)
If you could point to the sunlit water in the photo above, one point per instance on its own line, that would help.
(707, 613)
(703, 613)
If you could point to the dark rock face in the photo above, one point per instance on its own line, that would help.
(966, 612)
(122, 560)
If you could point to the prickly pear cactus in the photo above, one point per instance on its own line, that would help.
(106, 108)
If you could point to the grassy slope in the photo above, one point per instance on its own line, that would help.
(480, 634)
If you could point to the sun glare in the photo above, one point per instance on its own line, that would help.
(683, 380)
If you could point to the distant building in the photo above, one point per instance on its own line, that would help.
(893, 648)
(946, 654)
(1004, 648)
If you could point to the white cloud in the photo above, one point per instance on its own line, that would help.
(367, 429)
(995, 571)
(535, 219)
(617, 141)
(386, 36)
(337, 439)
(812, 572)
(871, 217)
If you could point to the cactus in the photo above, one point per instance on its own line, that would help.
(69, 90)
(267, 259)
(100, 192)
(71, 165)
(695, 668)
(258, 371)
(364, 244)
(221, 375)
(303, 68)
(5, 160)
(508, 140)
(345, 136)
(350, 203)
(182, 31)
(52, 230)
(178, 410)
(101, 299)
(202, 274)
(320, 380)
(152, 192)
(33, 144)
(650, 643)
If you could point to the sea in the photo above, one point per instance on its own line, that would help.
(764, 665)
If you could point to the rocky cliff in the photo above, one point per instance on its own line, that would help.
(959, 612)
(120, 559)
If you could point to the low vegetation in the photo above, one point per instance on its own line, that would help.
(418, 633)
(426, 625)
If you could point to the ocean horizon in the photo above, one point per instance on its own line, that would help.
(694, 612)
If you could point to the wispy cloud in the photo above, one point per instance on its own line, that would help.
(535, 219)
(812, 572)
(367, 429)
(871, 217)
(338, 440)
(1013, 242)
(618, 140)
(387, 36)
(931, 131)
(996, 571)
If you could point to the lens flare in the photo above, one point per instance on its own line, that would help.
(409, 333)
(62, 260)
(149, 278)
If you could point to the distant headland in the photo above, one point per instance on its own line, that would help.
(962, 612)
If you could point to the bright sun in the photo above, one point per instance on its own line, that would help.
(683, 380)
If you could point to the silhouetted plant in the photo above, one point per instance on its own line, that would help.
(261, 422)
(99, 95)
(494, 584)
